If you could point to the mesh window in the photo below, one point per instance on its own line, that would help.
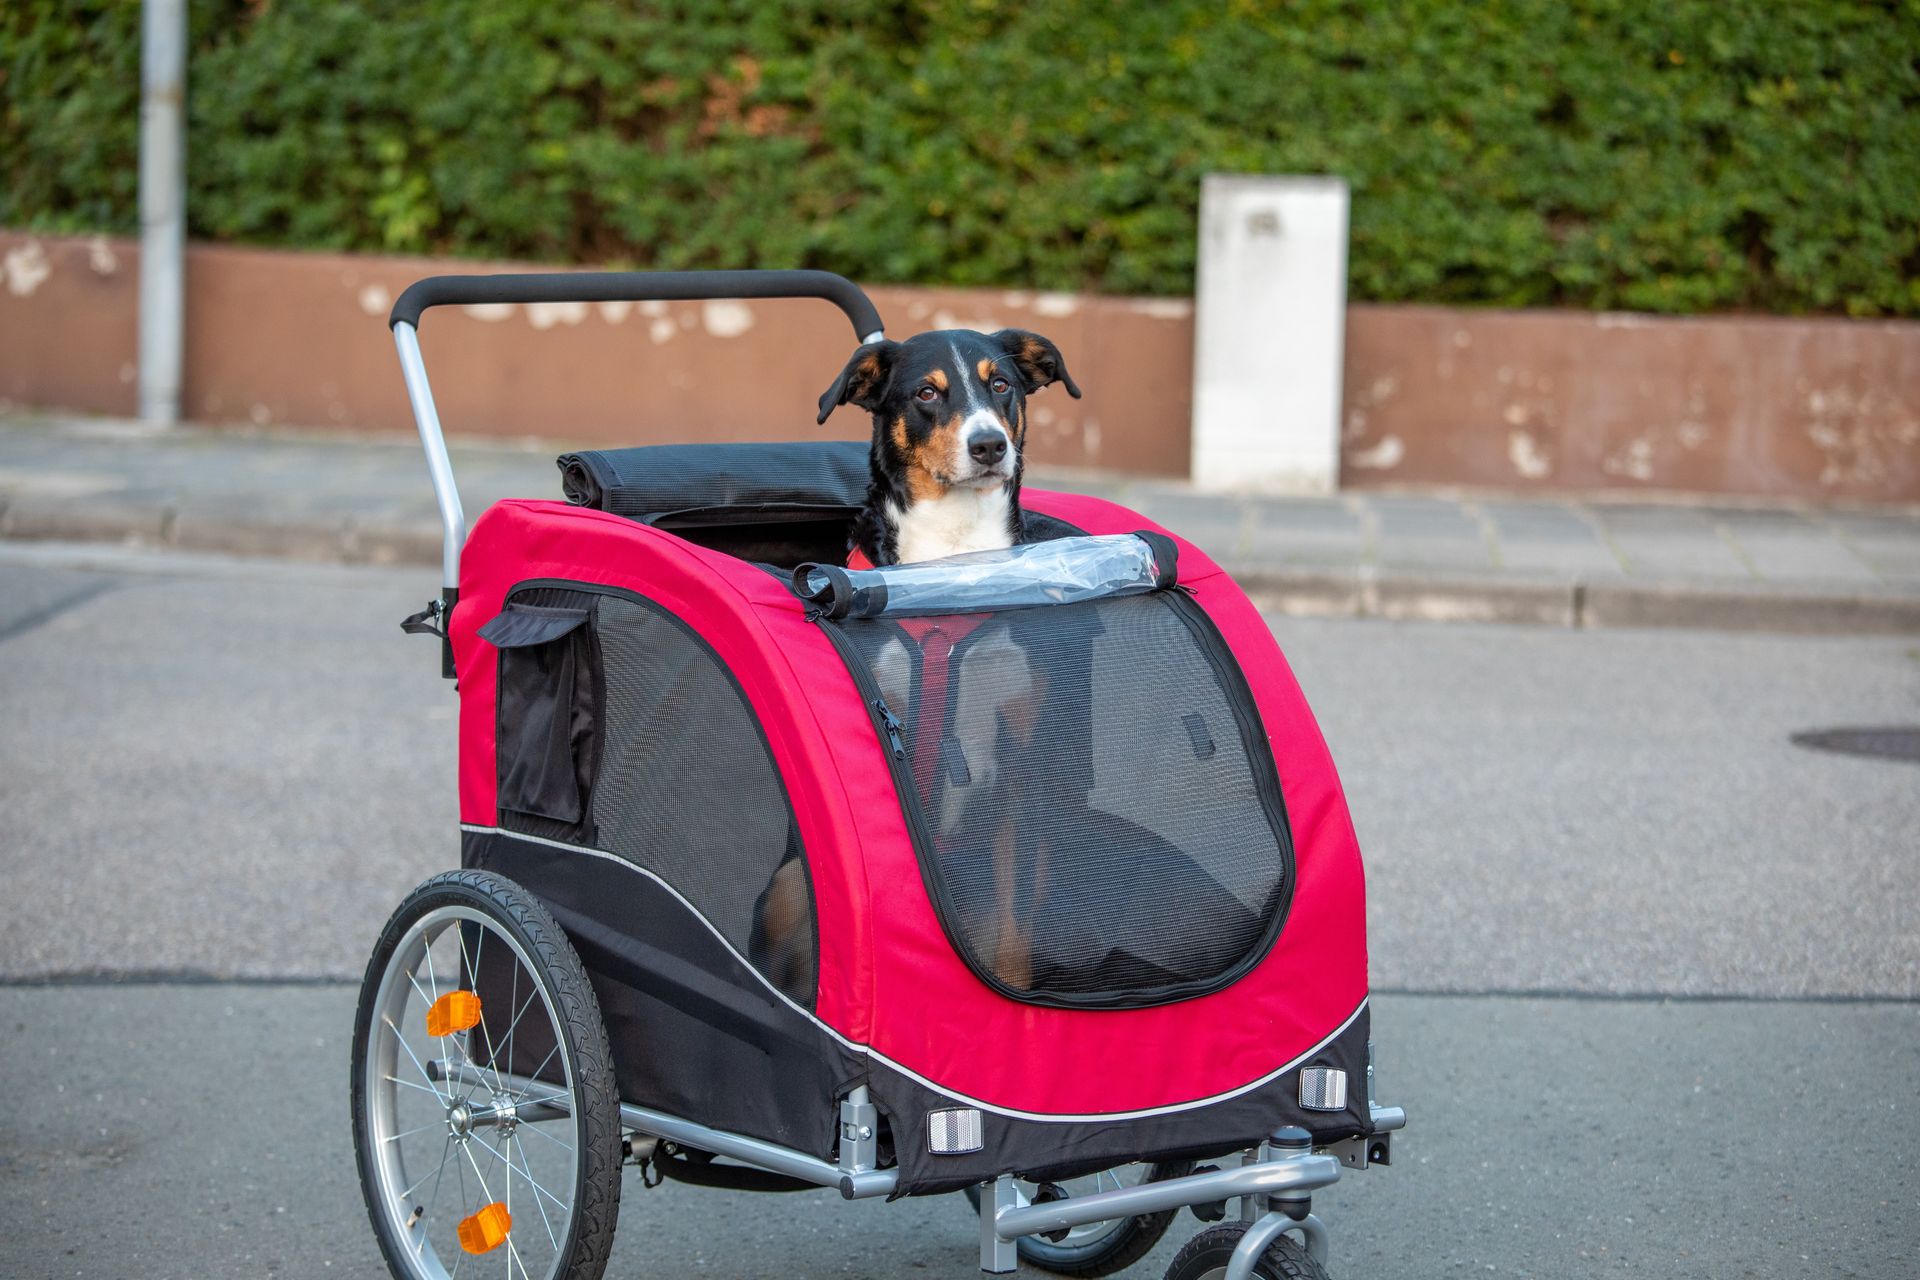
(686, 787)
(1095, 824)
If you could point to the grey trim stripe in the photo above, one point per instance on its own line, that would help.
(870, 1052)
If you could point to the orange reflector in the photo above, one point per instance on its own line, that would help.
(486, 1230)
(454, 1011)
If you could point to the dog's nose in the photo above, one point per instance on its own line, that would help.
(987, 447)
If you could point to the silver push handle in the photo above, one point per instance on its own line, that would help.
(578, 286)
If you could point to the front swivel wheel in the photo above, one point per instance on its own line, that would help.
(1205, 1257)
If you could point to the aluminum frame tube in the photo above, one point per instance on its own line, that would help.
(764, 1155)
(453, 520)
(1297, 1173)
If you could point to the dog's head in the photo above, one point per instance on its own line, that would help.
(949, 407)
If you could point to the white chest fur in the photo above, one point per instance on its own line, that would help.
(959, 520)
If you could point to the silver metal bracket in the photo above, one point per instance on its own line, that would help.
(1358, 1153)
(859, 1133)
(998, 1256)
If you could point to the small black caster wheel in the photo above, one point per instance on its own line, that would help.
(1205, 1257)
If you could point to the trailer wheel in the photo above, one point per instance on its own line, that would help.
(485, 1117)
(1205, 1257)
(1100, 1248)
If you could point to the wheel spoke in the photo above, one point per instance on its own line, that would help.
(531, 997)
(476, 1170)
(526, 1171)
(473, 976)
(421, 1087)
(395, 1137)
(445, 1100)
(408, 1193)
(533, 1076)
(531, 1127)
(557, 1202)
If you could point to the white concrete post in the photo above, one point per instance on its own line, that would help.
(1269, 333)
(163, 206)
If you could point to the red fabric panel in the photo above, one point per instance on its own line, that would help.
(758, 628)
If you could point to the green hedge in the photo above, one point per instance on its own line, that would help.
(1683, 155)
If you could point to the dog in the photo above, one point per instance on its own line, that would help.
(949, 412)
(949, 437)
(949, 415)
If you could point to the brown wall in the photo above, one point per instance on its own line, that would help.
(1809, 409)
(301, 339)
(1555, 400)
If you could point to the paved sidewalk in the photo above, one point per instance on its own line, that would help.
(1550, 561)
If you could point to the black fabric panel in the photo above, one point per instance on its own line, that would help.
(689, 790)
(1035, 527)
(1055, 1150)
(694, 1033)
(655, 479)
(547, 714)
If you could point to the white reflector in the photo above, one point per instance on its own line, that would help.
(953, 1133)
(1323, 1089)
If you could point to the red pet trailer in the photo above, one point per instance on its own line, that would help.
(1022, 873)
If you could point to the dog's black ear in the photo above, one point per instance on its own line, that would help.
(1040, 362)
(862, 381)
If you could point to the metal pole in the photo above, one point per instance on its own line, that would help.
(163, 205)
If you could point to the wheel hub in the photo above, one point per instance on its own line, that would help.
(460, 1120)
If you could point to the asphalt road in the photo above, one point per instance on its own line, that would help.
(218, 770)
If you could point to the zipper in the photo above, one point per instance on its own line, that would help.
(892, 724)
(888, 728)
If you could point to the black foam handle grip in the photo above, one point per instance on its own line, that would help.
(637, 286)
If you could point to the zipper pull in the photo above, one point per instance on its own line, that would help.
(893, 727)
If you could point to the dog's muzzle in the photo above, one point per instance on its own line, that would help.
(988, 453)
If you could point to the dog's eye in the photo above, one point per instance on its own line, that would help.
(1000, 386)
(925, 394)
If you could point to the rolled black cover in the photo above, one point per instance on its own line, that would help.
(656, 480)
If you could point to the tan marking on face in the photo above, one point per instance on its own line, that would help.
(932, 458)
(1020, 425)
(938, 378)
(866, 376)
(899, 433)
(985, 370)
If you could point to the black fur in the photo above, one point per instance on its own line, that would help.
(883, 377)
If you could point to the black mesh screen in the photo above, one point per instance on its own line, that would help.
(1097, 812)
(686, 787)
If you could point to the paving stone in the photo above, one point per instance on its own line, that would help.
(1787, 546)
(1889, 545)
(1663, 542)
